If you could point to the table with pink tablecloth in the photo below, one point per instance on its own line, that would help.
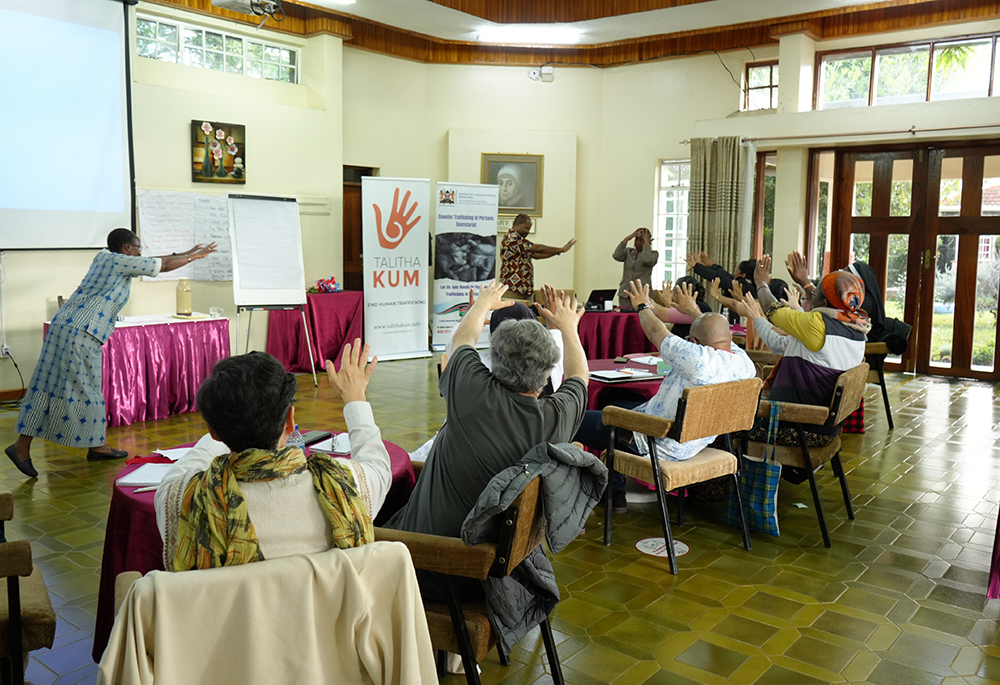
(600, 394)
(993, 592)
(152, 366)
(611, 334)
(334, 319)
(132, 541)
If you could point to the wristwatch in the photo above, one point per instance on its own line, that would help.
(642, 307)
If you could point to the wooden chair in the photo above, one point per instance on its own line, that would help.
(27, 621)
(465, 628)
(702, 411)
(875, 354)
(846, 399)
(764, 360)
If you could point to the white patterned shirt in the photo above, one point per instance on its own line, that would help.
(691, 365)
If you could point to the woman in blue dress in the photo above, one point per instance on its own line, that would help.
(64, 402)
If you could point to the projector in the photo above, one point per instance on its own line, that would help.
(258, 7)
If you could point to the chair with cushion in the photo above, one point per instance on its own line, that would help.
(846, 399)
(875, 354)
(27, 621)
(719, 409)
(351, 615)
(464, 628)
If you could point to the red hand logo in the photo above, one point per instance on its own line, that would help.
(399, 223)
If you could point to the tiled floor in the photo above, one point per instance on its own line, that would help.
(900, 597)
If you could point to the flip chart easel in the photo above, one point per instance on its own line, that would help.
(268, 272)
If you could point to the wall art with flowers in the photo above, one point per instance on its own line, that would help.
(218, 152)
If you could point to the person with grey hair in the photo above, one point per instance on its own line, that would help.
(495, 418)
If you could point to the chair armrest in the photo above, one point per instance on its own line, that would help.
(6, 506)
(799, 413)
(15, 559)
(442, 554)
(123, 582)
(646, 424)
(876, 348)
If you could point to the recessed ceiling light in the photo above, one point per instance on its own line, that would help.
(529, 34)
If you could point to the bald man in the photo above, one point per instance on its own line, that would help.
(706, 357)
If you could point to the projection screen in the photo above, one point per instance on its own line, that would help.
(65, 178)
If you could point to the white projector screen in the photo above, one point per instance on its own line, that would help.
(65, 180)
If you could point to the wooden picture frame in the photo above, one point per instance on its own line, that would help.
(520, 181)
(218, 152)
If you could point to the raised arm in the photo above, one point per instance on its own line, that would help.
(762, 280)
(544, 251)
(175, 261)
(471, 326)
(654, 329)
(563, 313)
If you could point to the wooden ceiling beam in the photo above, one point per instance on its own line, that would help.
(305, 19)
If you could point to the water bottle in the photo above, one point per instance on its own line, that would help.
(296, 439)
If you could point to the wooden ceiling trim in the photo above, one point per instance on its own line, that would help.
(304, 19)
(554, 11)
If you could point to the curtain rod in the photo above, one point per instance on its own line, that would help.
(913, 130)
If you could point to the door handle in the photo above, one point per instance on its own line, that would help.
(928, 259)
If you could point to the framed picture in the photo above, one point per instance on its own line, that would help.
(520, 181)
(218, 152)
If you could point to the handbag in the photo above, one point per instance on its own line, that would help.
(758, 485)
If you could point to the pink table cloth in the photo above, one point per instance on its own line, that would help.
(600, 394)
(993, 592)
(152, 366)
(334, 319)
(132, 541)
(606, 335)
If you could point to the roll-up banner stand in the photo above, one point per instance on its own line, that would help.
(395, 226)
(465, 252)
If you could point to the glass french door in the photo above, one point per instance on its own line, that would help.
(927, 219)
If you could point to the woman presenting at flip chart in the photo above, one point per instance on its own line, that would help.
(64, 402)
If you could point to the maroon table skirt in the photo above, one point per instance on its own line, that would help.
(334, 319)
(600, 394)
(132, 541)
(606, 335)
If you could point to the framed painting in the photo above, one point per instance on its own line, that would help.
(218, 152)
(520, 180)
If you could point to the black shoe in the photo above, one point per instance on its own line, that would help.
(25, 466)
(618, 503)
(104, 456)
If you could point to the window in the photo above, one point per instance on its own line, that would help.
(216, 50)
(761, 86)
(915, 72)
(670, 235)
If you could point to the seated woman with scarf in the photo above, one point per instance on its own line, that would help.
(820, 343)
(241, 495)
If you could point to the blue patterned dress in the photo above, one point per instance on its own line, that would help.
(65, 403)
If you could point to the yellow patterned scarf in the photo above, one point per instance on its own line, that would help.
(213, 528)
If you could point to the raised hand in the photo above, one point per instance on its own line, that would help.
(638, 294)
(352, 379)
(399, 223)
(684, 300)
(568, 246)
(753, 310)
(797, 267)
(762, 274)
(560, 310)
(715, 289)
(736, 292)
(491, 297)
(691, 260)
(705, 259)
(667, 293)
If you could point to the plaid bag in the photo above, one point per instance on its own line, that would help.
(759, 486)
(855, 423)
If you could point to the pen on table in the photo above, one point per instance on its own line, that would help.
(145, 488)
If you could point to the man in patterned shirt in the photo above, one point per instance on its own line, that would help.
(708, 356)
(516, 270)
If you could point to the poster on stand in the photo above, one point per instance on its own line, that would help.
(465, 252)
(395, 221)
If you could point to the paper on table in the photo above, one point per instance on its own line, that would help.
(147, 474)
(338, 444)
(173, 454)
(622, 375)
(649, 359)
